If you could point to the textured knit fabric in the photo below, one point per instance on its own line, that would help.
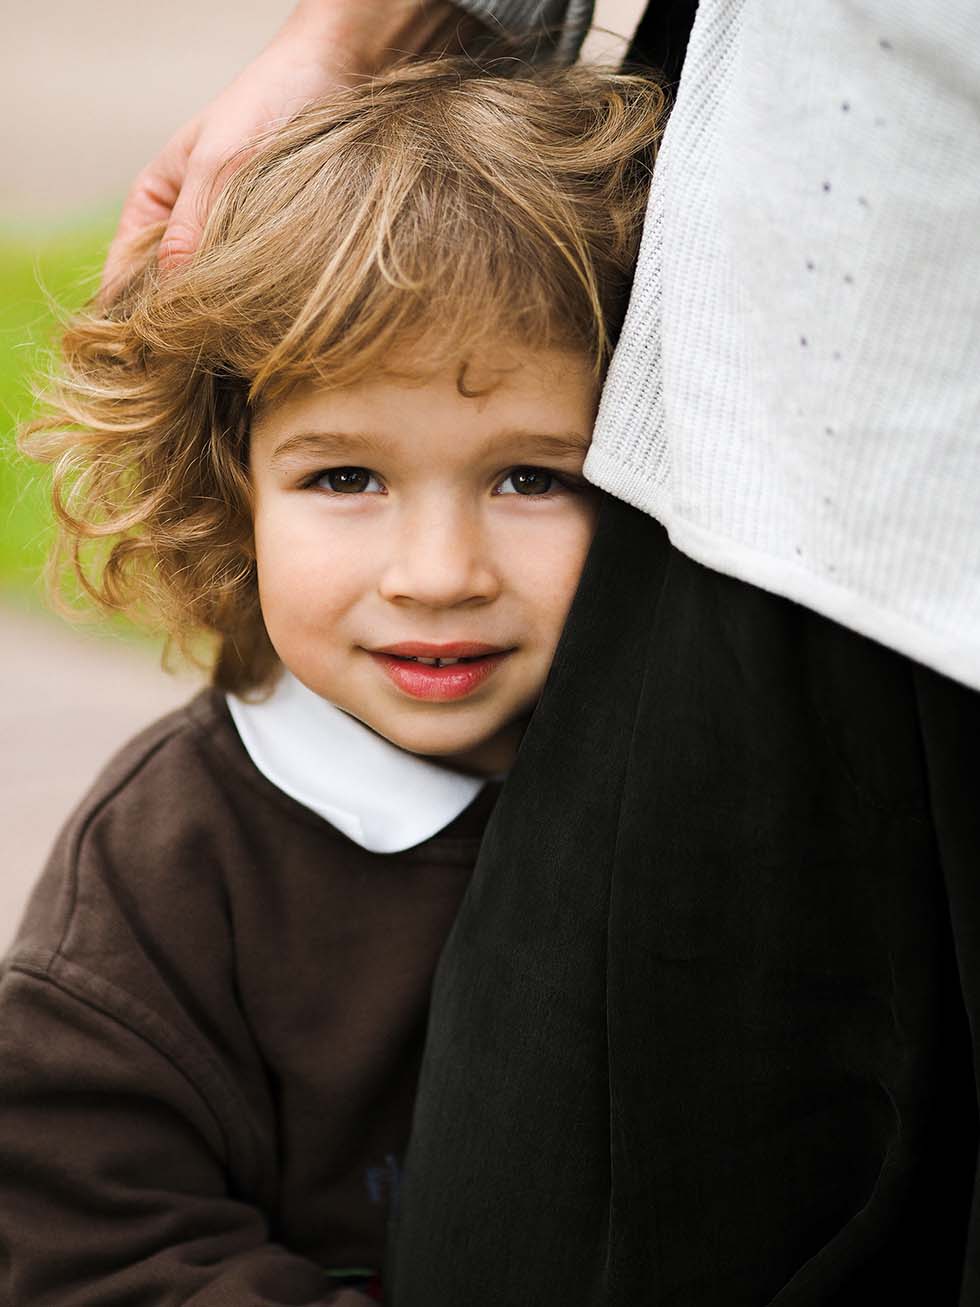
(210, 1030)
(796, 394)
(703, 1033)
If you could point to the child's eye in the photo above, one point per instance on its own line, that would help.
(528, 481)
(347, 480)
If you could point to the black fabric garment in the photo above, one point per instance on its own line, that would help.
(701, 1033)
(660, 40)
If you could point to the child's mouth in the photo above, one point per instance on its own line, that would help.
(439, 678)
(439, 662)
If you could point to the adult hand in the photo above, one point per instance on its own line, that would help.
(323, 44)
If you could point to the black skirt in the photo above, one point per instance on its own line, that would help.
(701, 1035)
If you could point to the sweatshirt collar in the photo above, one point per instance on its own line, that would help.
(378, 795)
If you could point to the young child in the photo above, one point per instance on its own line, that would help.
(346, 445)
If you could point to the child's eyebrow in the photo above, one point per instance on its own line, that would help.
(344, 444)
(572, 444)
(326, 444)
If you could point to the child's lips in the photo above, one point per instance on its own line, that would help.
(425, 681)
(454, 649)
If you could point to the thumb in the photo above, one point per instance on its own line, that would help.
(208, 168)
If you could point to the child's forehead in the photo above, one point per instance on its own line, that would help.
(503, 371)
(502, 398)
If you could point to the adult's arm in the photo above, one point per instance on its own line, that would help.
(323, 44)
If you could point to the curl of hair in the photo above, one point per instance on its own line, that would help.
(440, 206)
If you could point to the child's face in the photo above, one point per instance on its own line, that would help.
(399, 517)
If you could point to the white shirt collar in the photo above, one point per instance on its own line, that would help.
(380, 796)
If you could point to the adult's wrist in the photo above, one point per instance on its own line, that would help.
(359, 37)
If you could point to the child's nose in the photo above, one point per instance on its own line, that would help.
(440, 559)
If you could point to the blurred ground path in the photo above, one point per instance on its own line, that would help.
(68, 700)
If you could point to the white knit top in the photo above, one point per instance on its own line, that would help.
(796, 393)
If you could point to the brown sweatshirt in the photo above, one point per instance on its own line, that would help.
(211, 1024)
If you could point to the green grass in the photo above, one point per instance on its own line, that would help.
(63, 265)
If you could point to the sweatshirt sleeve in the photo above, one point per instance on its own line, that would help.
(563, 22)
(112, 1185)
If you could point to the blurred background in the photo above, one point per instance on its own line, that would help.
(88, 94)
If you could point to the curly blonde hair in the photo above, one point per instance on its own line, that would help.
(438, 205)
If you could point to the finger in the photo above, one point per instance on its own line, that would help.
(150, 202)
(208, 168)
(183, 234)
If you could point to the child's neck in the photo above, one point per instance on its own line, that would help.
(492, 757)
